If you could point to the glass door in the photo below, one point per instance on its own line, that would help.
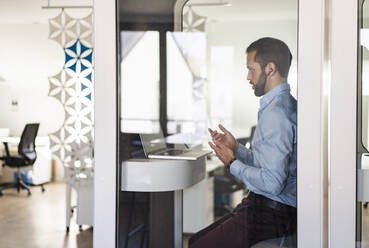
(309, 43)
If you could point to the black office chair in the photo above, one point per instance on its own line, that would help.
(26, 156)
(225, 183)
(248, 140)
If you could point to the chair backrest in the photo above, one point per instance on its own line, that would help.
(27, 145)
(253, 128)
(252, 135)
(247, 140)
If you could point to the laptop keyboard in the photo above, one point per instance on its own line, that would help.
(171, 152)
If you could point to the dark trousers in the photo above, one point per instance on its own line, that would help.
(255, 219)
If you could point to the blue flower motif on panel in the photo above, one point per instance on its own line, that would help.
(78, 60)
(78, 57)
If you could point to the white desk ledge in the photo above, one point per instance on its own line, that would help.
(155, 175)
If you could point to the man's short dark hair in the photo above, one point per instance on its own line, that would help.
(272, 50)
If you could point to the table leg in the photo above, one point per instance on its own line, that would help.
(68, 206)
(178, 218)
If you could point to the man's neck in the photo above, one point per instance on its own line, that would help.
(274, 83)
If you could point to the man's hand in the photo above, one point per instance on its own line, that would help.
(226, 138)
(223, 152)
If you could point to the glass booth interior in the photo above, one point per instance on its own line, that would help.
(183, 82)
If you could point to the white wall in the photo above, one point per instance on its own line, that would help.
(27, 59)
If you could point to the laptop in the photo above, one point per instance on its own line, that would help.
(154, 146)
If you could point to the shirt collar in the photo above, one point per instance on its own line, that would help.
(268, 97)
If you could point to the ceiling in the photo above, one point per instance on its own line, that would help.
(30, 11)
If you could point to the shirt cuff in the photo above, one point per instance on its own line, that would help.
(239, 152)
(236, 167)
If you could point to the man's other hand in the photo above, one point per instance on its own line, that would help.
(223, 152)
(226, 138)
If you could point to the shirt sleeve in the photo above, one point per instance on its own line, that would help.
(245, 155)
(271, 154)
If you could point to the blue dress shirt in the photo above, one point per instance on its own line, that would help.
(269, 169)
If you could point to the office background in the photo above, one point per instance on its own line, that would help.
(34, 68)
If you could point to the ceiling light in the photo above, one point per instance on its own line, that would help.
(214, 3)
(56, 5)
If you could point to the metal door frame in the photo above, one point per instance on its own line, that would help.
(343, 124)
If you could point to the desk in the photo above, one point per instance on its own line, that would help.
(41, 169)
(198, 201)
(159, 175)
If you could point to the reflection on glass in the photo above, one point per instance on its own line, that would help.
(228, 97)
(221, 58)
(139, 82)
(229, 29)
(186, 77)
(364, 42)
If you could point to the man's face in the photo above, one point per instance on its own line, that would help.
(256, 75)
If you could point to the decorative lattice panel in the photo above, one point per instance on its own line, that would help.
(73, 85)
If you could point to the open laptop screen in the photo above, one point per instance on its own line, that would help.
(152, 142)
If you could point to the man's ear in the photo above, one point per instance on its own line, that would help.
(270, 69)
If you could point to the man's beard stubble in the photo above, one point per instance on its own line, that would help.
(260, 86)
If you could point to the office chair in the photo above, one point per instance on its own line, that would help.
(226, 184)
(26, 156)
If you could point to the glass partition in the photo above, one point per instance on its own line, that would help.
(140, 82)
(362, 212)
(195, 79)
(186, 78)
(364, 42)
(230, 26)
(220, 89)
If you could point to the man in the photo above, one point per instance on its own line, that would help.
(269, 169)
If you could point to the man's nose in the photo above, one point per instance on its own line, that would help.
(249, 76)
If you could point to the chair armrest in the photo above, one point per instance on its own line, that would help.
(6, 149)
